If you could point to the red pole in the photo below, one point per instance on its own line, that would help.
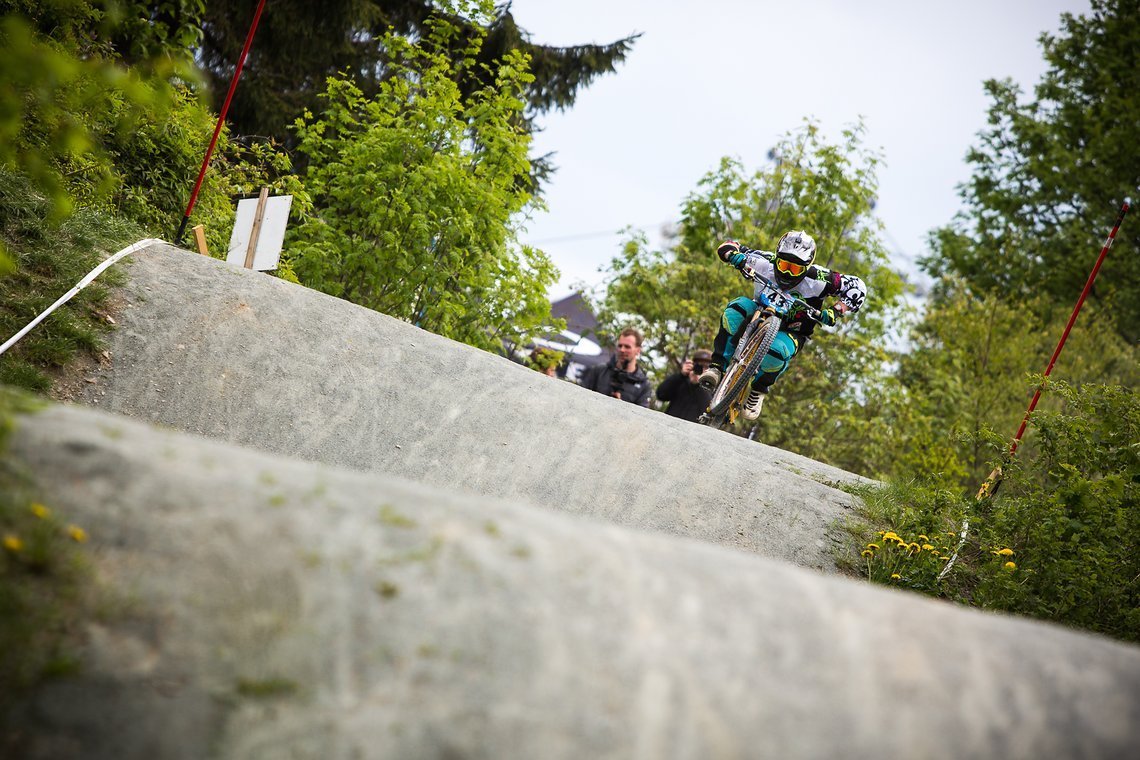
(1069, 326)
(221, 120)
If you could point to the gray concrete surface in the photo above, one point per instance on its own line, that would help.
(240, 356)
(263, 607)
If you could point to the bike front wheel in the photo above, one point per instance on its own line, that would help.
(744, 365)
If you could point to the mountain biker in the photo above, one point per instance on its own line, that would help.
(791, 269)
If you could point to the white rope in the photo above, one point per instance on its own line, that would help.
(958, 548)
(145, 243)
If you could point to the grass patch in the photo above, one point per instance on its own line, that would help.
(49, 259)
(267, 688)
(389, 516)
(905, 533)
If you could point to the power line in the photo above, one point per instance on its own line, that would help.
(580, 236)
(599, 234)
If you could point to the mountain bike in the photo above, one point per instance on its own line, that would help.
(729, 396)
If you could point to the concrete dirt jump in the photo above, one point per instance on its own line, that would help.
(237, 355)
(374, 542)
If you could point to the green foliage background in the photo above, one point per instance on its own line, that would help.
(302, 43)
(102, 130)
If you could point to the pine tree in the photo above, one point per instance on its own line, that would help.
(299, 44)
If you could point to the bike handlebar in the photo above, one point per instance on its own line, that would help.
(813, 313)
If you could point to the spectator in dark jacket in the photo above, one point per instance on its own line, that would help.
(687, 398)
(621, 377)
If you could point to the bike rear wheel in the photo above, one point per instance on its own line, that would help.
(756, 342)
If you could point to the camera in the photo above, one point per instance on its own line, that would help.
(620, 377)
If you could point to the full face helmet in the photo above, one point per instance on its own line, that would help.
(794, 254)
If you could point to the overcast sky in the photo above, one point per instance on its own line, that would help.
(730, 77)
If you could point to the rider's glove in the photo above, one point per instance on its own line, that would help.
(738, 260)
(828, 317)
(727, 250)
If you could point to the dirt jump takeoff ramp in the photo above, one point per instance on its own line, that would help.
(236, 355)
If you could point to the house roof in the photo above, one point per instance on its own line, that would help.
(575, 309)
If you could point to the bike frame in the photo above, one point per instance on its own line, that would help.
(772, 303)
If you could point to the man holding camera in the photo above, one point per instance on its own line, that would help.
(687, 398)
(620, 377)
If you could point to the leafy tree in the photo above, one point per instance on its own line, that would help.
(414, 191)
(1059, 540)
(1050, 175)
(677, 296)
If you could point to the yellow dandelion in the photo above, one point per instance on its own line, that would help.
(947, 559)
(915, 548)
(895, 576)
(927, 548)
(1011, 566)
(872, 547)
(13, 543)
(1004, 552)
(867, 553)
(77, 534)
(40, 511)
(890, 534)
(924, 538)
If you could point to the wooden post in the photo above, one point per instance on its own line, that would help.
(258, 217)
(199, 231)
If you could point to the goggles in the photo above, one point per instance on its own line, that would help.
(788, 267)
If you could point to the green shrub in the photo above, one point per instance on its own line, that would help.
(64, 92)
(156, 164)
(1073, 516)
(1059, 542)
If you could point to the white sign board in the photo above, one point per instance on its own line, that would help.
(269, 238)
